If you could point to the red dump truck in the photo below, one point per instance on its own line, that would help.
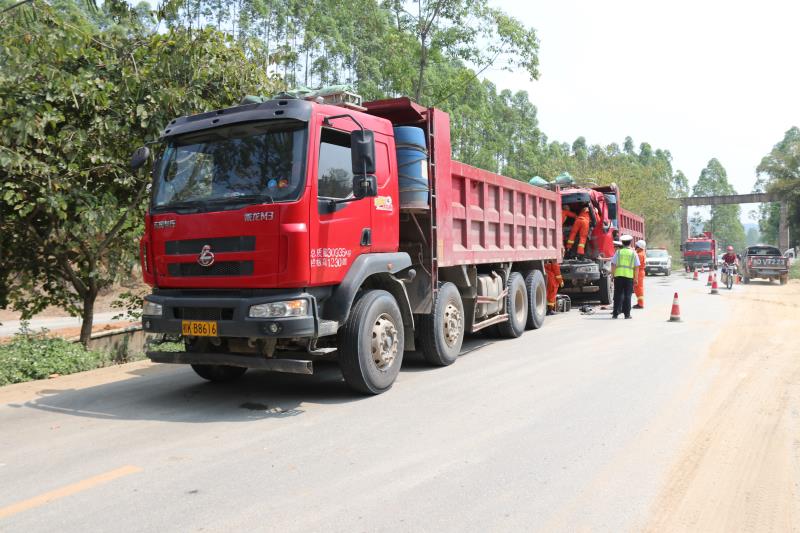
(590, 275)
(291, 230)
(700, 251)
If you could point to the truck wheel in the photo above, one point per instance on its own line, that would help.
(784, 279)
(516, 307)
(370, 343)
(441, 333)
(219, 373)
(606, 290)
(537, 299)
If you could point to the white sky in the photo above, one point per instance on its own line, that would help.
(702, 78)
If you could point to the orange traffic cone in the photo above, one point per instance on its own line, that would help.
(695, 275)
(708, 283)
(714, 289)
(675, 314)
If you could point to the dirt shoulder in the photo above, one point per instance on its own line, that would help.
(739, 468)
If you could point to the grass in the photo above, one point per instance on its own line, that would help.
(794, 270)
(32, 356)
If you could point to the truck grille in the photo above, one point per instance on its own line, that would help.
(220, 244)
(204, 313)
(222, 268)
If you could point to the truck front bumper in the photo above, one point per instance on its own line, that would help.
(231, 315)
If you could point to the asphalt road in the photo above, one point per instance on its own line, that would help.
(572, 426)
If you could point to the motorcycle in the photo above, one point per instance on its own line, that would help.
(728, 275)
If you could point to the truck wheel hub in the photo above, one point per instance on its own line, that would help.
(452, 324)
(384, 342)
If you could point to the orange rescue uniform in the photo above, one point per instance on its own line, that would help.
(554, 281)
(639, 287)
(580, 228)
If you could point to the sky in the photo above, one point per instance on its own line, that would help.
(702, 78)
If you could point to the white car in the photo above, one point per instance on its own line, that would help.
(657, 260)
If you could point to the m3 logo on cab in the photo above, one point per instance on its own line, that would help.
(258, 216)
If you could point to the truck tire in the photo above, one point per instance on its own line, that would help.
(371, 343)
(516, 307)
(219, 373)
(606, 289)
(537, 299)
(784, 279)
(441, 333)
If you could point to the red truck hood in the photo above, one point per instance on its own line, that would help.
(242, 248)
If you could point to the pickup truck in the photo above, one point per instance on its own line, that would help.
(762, 261)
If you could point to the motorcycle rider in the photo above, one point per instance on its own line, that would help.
(730, 260)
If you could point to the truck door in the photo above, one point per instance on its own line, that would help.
(385, 206)
(342, 230)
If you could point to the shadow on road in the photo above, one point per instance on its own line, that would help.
(176, 394)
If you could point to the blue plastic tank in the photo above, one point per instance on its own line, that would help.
(412, 166)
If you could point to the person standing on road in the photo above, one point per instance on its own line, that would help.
(554, 281)
(638, 282)
(624, 269)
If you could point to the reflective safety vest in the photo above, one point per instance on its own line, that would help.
(626, 260)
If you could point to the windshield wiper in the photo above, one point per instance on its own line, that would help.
(265, 198)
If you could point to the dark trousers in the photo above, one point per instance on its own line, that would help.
(623, 288)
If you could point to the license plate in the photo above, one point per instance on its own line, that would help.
(199, 328)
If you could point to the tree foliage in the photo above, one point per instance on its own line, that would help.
(724, 220)
(71, 211)
(779, 172)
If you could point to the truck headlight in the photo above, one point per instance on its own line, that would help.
(152, 309)
(280, 309)
(586, 269)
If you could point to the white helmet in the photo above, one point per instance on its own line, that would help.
(626, 239)
(641, 244)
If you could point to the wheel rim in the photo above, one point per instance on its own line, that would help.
(384, 342)
(519, 305)
(453, 324)
(540, 300)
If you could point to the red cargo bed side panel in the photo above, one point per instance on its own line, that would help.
(487, 218)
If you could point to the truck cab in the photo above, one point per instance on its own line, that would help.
(590, 275)
(700, 252)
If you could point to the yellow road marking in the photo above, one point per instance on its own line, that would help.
(68, 490)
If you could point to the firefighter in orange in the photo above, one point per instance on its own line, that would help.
(638, 286)
(584, 221)
(554, 281)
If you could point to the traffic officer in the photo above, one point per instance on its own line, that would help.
(624, 269)
(638, 283)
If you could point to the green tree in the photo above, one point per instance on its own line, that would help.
(779, 172)
(71, 211)
(724, 220)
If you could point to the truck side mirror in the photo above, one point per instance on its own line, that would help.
(362, 152)
(139, 157)
(364, 186)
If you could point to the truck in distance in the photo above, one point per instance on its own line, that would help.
(766, 262)
(285, 231)
(700, 252)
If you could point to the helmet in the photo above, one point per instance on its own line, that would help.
(730, 248)
(641, 244)
(626, 239)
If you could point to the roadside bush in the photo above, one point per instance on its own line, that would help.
(34, 356)
(794, 270)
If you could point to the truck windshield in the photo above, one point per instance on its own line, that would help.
(226, 167)
(698, 246)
